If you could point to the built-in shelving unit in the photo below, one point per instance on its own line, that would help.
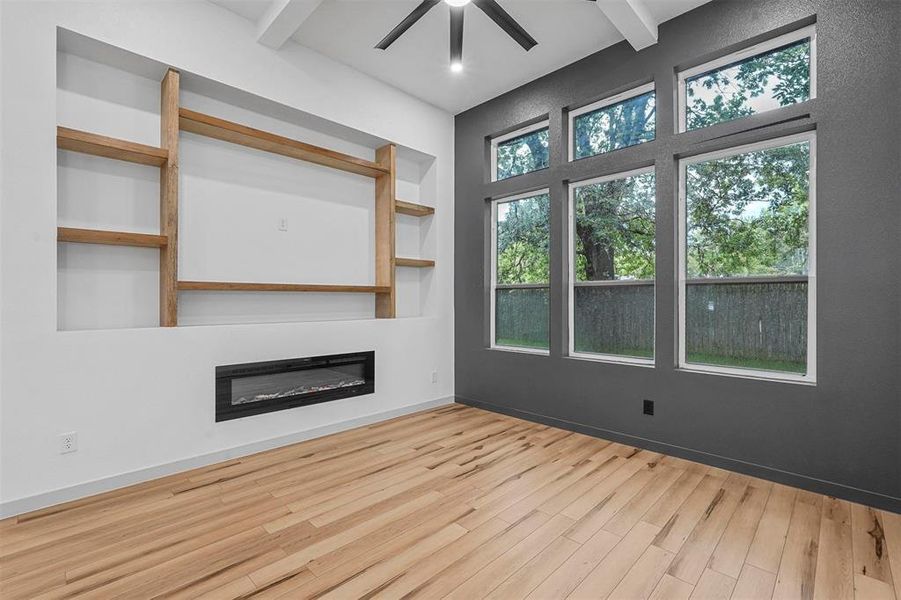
(175, 119)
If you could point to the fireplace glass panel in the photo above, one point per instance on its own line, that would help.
(260, 388)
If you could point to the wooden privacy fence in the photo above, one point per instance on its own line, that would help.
(754, 320)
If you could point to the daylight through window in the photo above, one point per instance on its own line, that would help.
(612, 295)
(521, 271)
(771, 75)
(747, 259)
(520, 152)
(619, 122)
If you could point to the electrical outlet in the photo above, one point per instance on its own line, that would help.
(68, 442)
(283, 224)
(649, 407)
(434, 376)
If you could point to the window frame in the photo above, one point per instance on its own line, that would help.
(496, 141)
(681, 251)
(571, 291)
(739, 56)
(603, 103)
(493, 285)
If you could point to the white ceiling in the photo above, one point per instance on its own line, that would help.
(348, 30)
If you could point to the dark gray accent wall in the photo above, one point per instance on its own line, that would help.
(839, 436)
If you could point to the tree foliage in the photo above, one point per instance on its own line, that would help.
(777, 78)
(747, 213)
(617, 126)
(523, 154)
(614, 229)
(523, 239)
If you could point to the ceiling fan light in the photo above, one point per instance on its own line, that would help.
(456, 66)
(457, 2)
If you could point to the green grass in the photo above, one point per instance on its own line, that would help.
(759, 364)
(521, 343)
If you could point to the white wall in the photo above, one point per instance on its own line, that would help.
(143, 397)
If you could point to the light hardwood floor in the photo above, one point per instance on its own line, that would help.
(458, 503)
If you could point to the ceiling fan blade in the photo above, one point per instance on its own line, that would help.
(456, 34)
(506, 22)
(408, 22)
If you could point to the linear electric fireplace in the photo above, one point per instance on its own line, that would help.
(254, 388)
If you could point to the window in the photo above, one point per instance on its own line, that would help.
(520, 271)
(747, 284)
(612, 244)
(520, 152)
(619, 122)
(776, 73)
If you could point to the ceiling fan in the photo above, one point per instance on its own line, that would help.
(489, 7)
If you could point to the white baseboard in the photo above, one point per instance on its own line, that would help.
(82, 490)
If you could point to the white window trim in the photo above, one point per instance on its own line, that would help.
(545, 124)
(571, 351)
(682, 365)
(609, 101)
(765, 46)
(493, 345)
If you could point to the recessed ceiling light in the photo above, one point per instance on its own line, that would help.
(456, 66)
(457, 2)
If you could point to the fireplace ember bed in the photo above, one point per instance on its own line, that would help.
(254, 388)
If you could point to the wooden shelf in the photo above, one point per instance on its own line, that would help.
(412, 209)
(100, 145)
(235, 133)
(110, 238)
(235, 286)
(413, 262)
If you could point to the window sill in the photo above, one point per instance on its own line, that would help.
(770, 376)
(535, 351)
(613, 359)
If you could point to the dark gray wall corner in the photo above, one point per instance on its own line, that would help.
(841, 436)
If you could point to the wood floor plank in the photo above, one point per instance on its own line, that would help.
(713, 586)
(671, 588)
(695, 553)
(834, 578)
(797, 570)
(891, 523)
(769, 540)
(570, 574)
(870, 549)
(754, 584)
(604, 578)
(497, 571)
(729, 556)
(641, 580)
(530, 576)
(459, 502)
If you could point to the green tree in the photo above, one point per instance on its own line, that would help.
(747, 214)
(618, 126)
(614, 227)
(523, 237)
(523, 154)
(777, 78)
